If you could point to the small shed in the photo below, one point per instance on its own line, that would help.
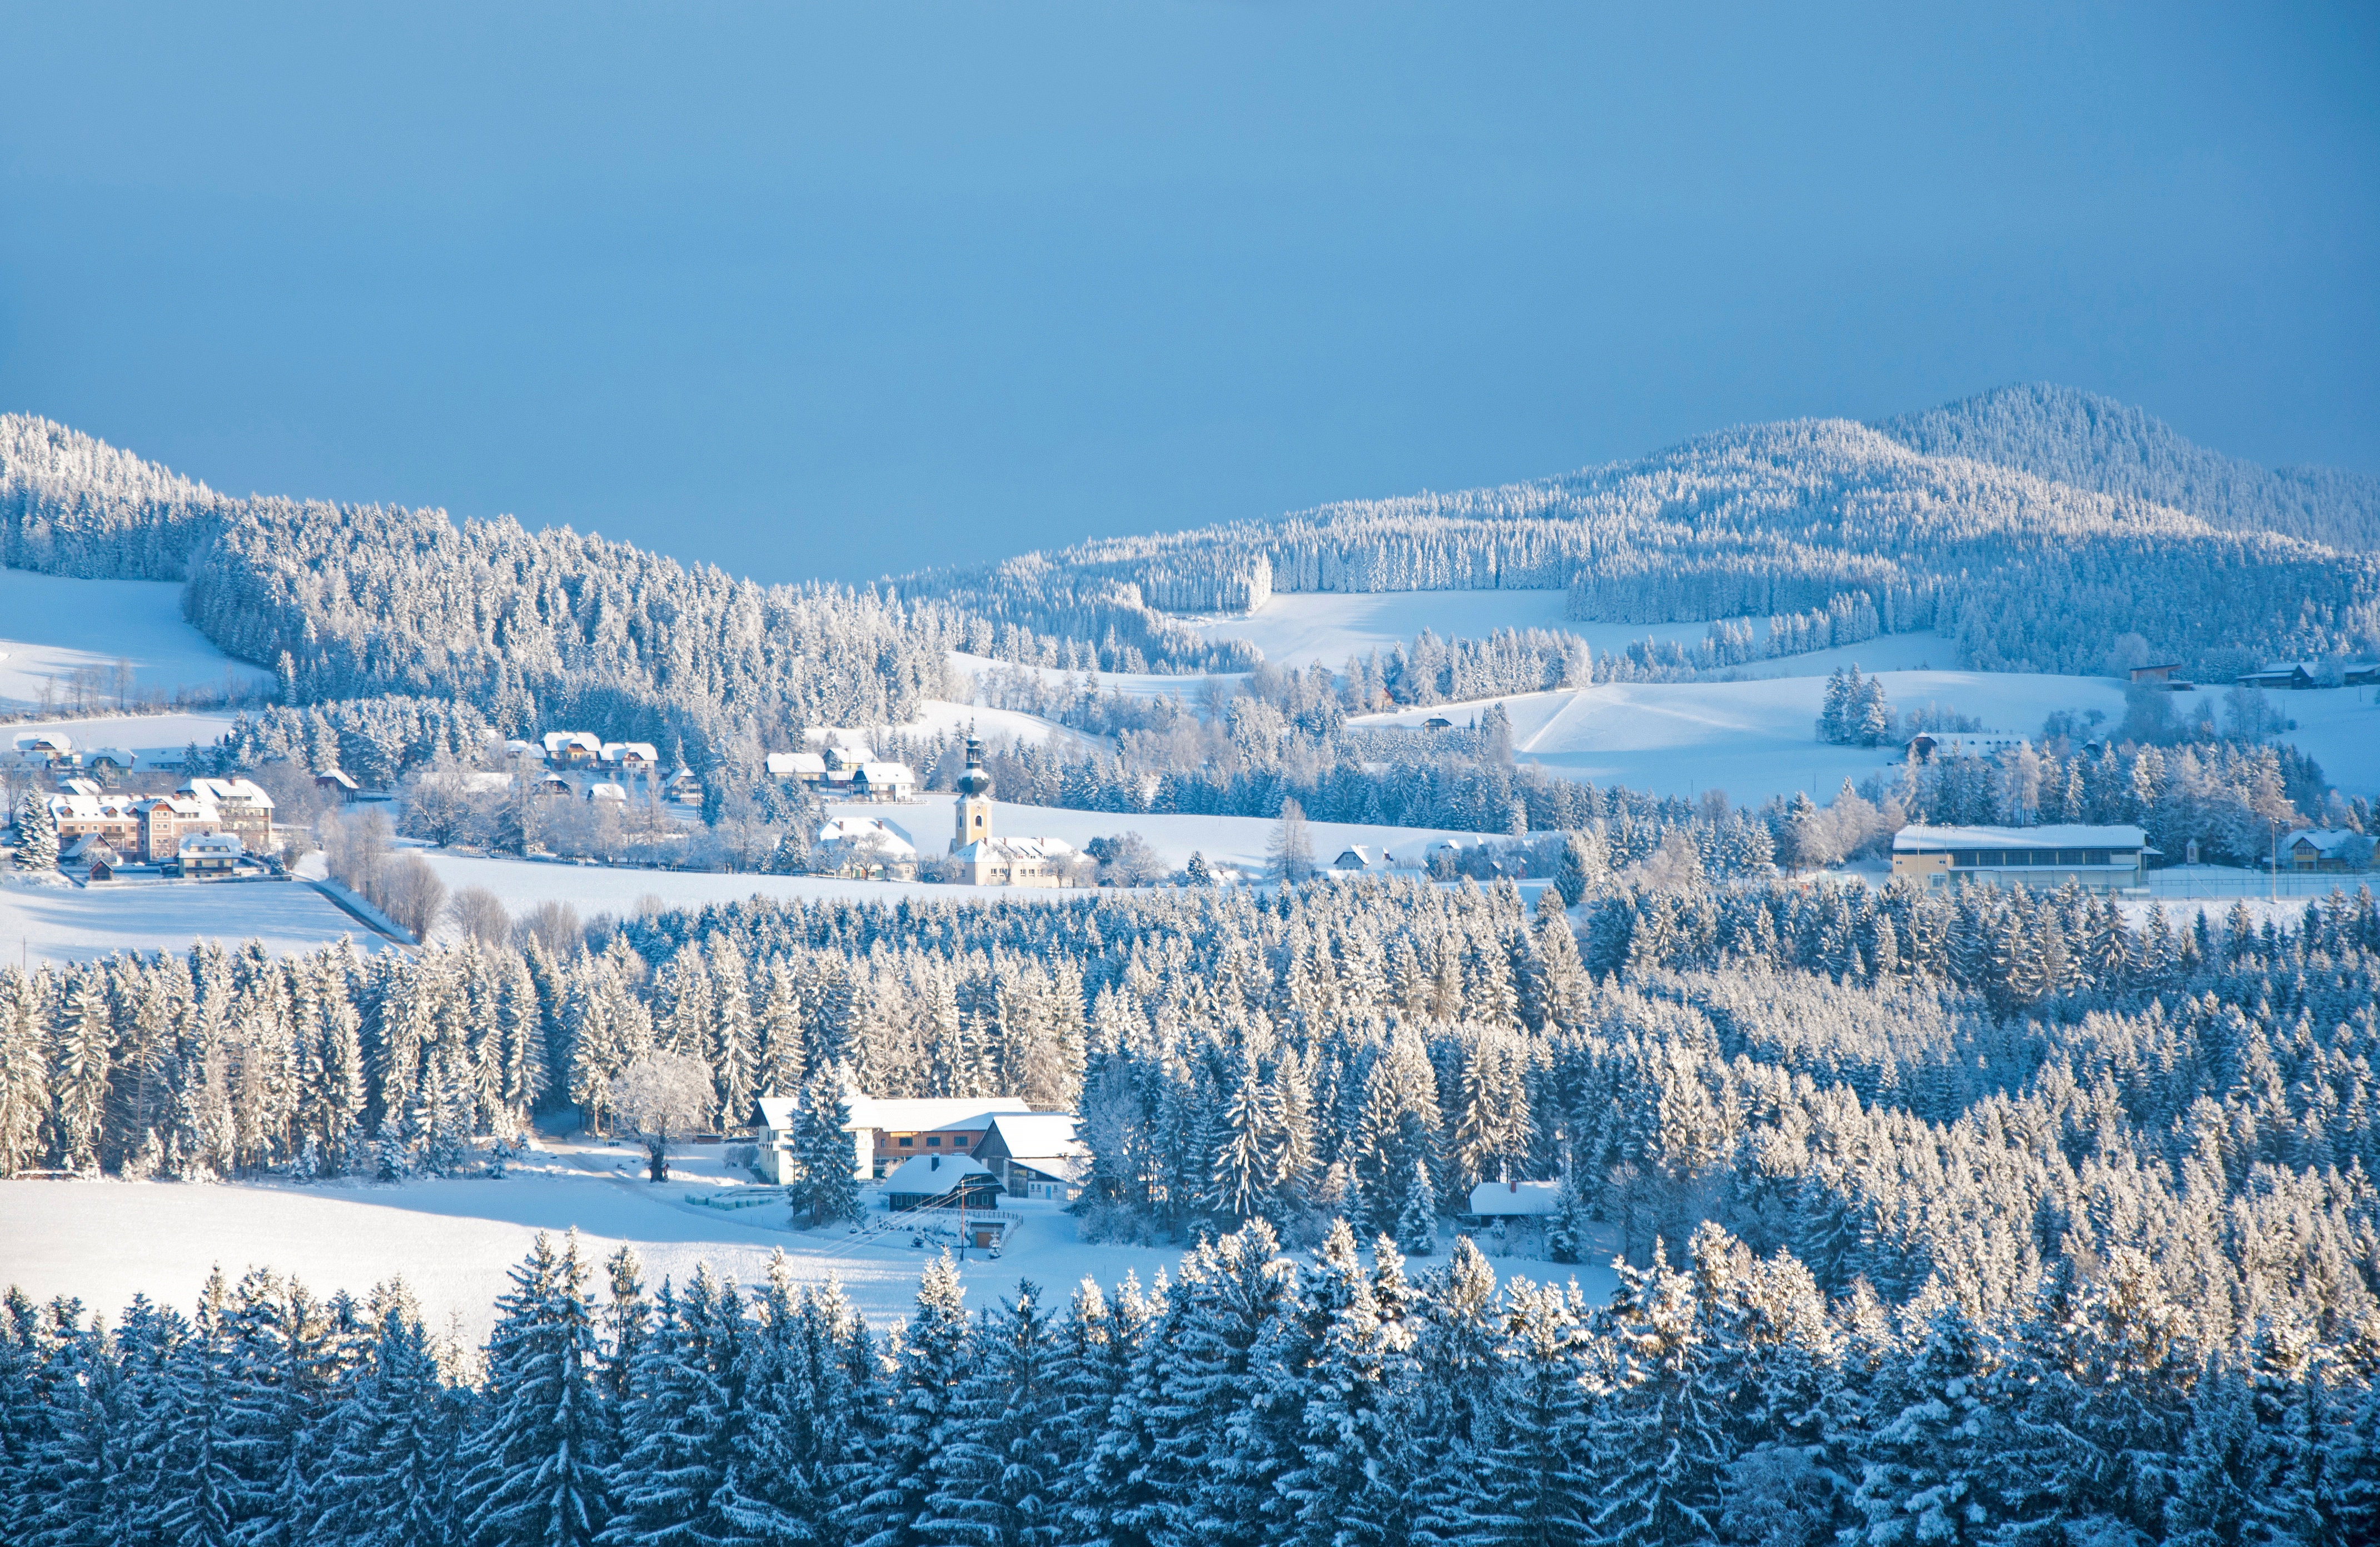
(339, 783)
(606, 790)
(940, 1181)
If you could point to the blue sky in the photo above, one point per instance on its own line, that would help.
(813, 292)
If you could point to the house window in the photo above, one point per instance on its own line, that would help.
(935, 1142)
(906, 1141)
(960, 1142)
(2097, 856)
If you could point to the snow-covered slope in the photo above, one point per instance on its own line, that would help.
(1757, 739)
(52, 627)
(55, 923)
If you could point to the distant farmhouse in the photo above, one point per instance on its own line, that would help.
(2098, 859)
(885, 1130)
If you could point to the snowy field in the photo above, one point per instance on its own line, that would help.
(453, 1239)
(524, 884)
(154, 737)
(1294, 629)
(50, 626)
(64, 922)
(1757, 739)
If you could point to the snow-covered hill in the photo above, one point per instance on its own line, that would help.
(2090, 441)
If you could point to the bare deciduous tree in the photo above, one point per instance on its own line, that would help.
(411, 893)
(480, 914)
(554, 925)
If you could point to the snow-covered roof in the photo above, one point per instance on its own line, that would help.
(1017, 849)
(1039, 1136)
(606, 790)
(122, 756)
(886, 773)
(1513, 1199)
(2068, 835)
(227, 792)
(869, 832)
(200, 844)
(79, 786)
(782, 763)
(44, 741)
(931, 1114)
(1356, 857)
(555, 741)
(334, 776)
(620, 752)
(777, 1111)
(935, 1172)
(2323, 841)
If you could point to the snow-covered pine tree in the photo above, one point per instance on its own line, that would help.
(929, 1354)
(37, 835)
(678, 1432)
(389, 1481)
(828, 1188)
(534, 1467)
(1418, 1218)
(999, 1470)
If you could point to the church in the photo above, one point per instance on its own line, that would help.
(984, 860)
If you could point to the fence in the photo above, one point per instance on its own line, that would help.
(2207, 881)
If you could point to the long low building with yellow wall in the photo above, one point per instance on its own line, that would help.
(2100, 858)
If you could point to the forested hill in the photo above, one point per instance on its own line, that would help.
(358, 601)
(2090, 441)
(1825, 516)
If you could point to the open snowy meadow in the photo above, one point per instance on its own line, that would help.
(454, 1239)
(52, 626)
(1756, 739)
(63, 923)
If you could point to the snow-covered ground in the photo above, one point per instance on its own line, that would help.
(1757, 739)
(50, 626)
(1293, 629)
(524, 884)
(64, 923)
(153, 737)
(453, 1239)
(1234, 840)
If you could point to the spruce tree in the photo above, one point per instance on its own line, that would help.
(1418, 1219)
(37, 835)
(999, 1471)
(534, 1467)
(828, 1188)
(930, 1358)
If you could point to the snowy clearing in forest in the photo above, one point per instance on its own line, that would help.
(454, 1239)
(1297, 628)
(64, 922)
(52, 626)
(1758, 739)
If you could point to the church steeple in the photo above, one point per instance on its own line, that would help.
(974, 811)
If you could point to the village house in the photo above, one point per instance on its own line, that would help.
(2325, 849)
(883, 781)
(2288, 675)
(683, 788)
(942, 1181)
(165, 821)
(884, 1130)
(865, 847)
(240, 807)
(1036, 1154)
(79, 815)
(630, 760)
(2097, 859)
(804, 768)
(336, 785)
(209, 853)
(2162, 676)
(573, 749)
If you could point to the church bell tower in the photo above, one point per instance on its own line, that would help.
(975, 798)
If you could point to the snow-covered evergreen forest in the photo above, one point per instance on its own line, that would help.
(1985, 1216)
